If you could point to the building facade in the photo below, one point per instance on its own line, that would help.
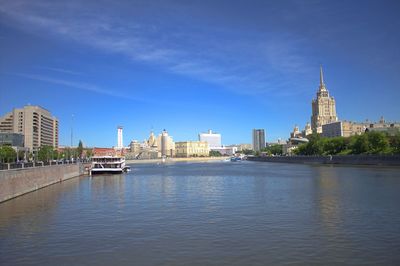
(192, 149)
(348, 128)
(226, 150)
(323, 107)
(120, 141)
(165, 145)
(342, 129)
(242, 146)
(213, 139)
(258, 139)
(37, 125)
(12, 139)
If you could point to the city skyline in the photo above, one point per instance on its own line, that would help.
(251, 67)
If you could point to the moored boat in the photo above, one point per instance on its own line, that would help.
(108, 164)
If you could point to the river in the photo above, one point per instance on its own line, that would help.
(213, 213)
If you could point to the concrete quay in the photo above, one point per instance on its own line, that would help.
(16, 182)
(387, 160)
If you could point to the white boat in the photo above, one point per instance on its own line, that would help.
(108, 164)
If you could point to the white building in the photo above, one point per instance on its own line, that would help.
(225, 150)
(120, 144)
(213, 139)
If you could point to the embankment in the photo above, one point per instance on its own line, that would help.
(393, 160)
(16, 182)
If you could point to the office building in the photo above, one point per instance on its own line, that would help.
(213, 139)
(37, 125)
(192, 149)
(258, 139)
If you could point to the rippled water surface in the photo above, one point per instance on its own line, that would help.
(217, 213)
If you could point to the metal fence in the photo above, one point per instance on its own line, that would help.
(10, 166)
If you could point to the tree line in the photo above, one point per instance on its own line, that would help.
(45, 154)
(372, 142)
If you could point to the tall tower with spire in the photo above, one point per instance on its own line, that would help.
(323, 107)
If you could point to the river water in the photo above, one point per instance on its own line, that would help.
(215, 213)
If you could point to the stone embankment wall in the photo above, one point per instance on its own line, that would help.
(16, 182)
(335, 159)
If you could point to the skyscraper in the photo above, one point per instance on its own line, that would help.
(258, 139)
(323, 107)
(37, 125)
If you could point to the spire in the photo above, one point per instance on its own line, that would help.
(321, 76)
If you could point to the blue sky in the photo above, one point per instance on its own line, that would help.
(190, 66)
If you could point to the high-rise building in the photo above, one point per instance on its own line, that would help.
(120, 144)
(152, 141)
(37, 125)
(258, 139)
(213, 139)
(165, 144)
(323, 107)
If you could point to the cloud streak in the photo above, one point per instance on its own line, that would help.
(76, 85)
(245, 67)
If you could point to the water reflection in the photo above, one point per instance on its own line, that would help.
(328, 197)
(108, 187)
(221, 213)
(30, 213)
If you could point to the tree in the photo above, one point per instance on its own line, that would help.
(394, 142)
(45, 153)
(215, 154)
(7, 154)
(89, 153)
(248, 152)
(378, 143)
(313, 147)
(275, 149)
(79, 150)
(334, 146)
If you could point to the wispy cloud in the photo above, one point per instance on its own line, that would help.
(253, 67)
(61, 70)
(77, 85)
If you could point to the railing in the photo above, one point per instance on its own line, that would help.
(10, 166)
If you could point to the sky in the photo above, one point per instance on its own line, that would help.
(190, 66)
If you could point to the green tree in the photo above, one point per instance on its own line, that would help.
(7, 154)
(248, 152)
(79, 150)
(378, 143)
(89, 153)
(314, 146)
(334, 146)
(394, 142)
(56, 155)
(215, 154)
(359, 144)
(275, 149)
(45, 153)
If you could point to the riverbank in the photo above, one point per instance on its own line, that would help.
(390, 160)
(16, 182)
(173, 160)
